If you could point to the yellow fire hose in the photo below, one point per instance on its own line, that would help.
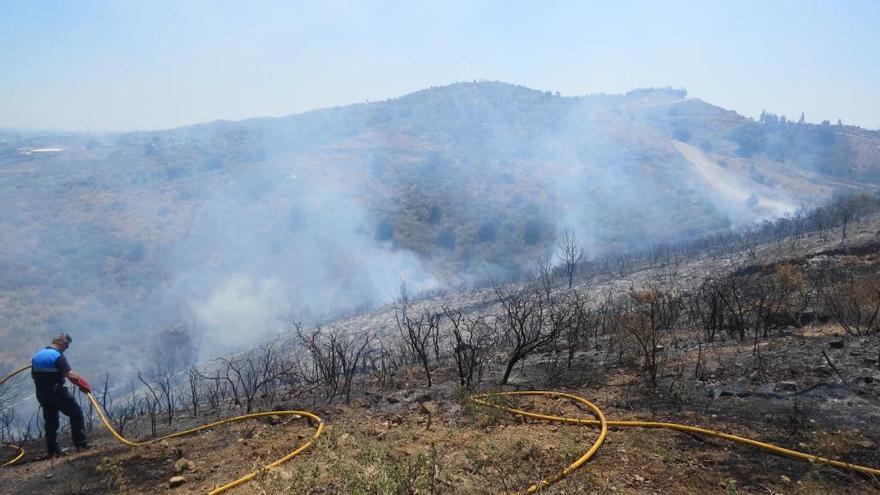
(19, 453)
(603, 427)
(483, 400)
(17, 448)
(221, 489)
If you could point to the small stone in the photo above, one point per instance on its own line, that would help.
(184, 465)
(428, 407)
(639, 478)
(49, 476)
(176, 481)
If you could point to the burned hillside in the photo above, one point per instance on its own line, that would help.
(771, 334)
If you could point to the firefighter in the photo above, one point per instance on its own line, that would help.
(49, 369)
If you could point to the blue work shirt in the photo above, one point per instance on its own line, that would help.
(48, 369)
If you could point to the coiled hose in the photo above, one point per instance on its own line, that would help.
(603, 424)
(233, 419)
(484, 400)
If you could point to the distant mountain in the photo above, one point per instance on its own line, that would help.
(226, 225)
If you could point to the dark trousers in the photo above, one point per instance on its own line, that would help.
(59, 400)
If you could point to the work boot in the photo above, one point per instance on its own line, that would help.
(83, 447)
(58, 452)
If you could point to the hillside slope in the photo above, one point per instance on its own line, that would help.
(806, 384)
(226, 225)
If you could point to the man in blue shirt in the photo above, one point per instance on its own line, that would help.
(49, 368)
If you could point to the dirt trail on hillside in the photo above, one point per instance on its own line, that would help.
(732, 187)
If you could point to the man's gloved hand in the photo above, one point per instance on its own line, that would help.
(82, 384)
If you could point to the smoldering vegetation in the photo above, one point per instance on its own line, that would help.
(230, 227)
(569, 321)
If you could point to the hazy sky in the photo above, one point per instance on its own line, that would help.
(125, 65)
